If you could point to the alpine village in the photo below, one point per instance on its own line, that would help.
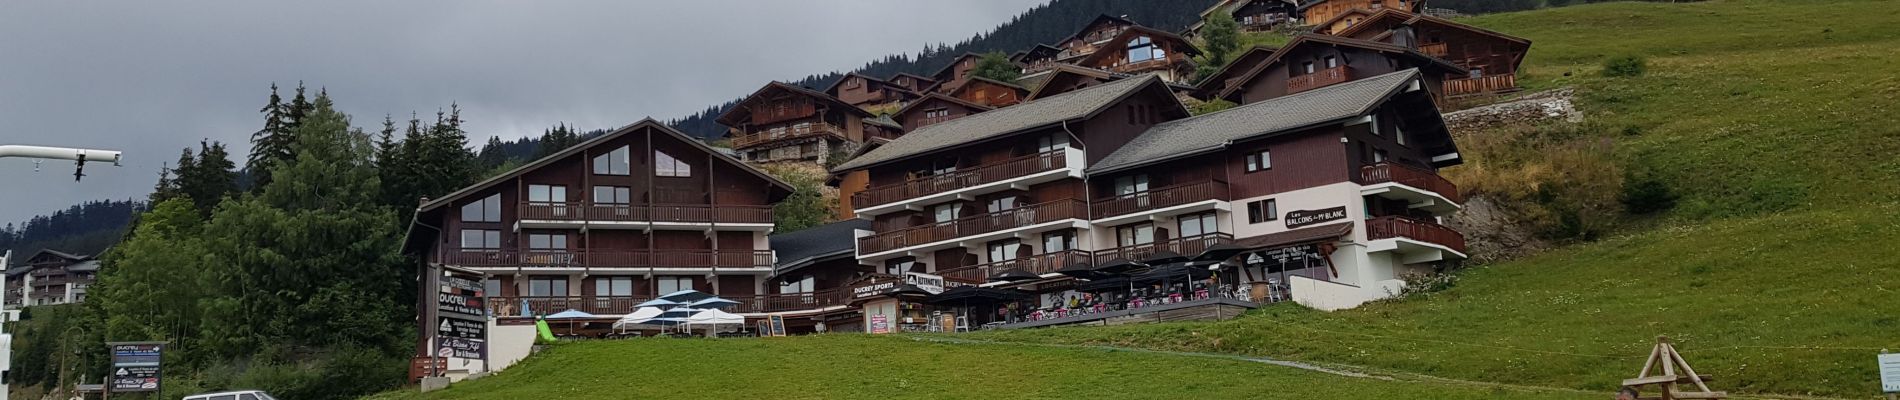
(1197, 199)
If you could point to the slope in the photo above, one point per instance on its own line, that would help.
(1774, 121)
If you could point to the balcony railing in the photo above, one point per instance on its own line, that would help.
(608, 258)
(1143, 65)
(1410, 176)
(1160, 198)
(1037, 264)
(1317, 79)
(980, 224)
(1488, 84)
(1439, 50)
(693, 213)
(1401, 227)
(1187, 246)
(789, 132)
(615, 306)
(934, 184)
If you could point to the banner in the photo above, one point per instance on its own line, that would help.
(927, 282)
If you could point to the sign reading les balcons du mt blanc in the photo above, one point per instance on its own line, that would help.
(1303, 218)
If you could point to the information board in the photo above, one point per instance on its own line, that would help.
(135, 366)
(778, 324)
(1890, 373)
(880, 324)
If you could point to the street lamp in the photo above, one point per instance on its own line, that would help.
(80, 156)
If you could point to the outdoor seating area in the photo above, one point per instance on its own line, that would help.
(1118, 287)
(686, 313)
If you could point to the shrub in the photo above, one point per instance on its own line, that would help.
(1624, 66)
(1211, 106)
(1646, 194)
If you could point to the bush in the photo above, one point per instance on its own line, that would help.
(1646, 194)
(1625, 66)
(1211, 106)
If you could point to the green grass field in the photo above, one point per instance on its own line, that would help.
(893, 367)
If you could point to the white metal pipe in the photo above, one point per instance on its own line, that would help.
(59, 153)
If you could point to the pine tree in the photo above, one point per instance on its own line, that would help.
(491, 155)
(210, 178)
(1220, 37)
(270, 144)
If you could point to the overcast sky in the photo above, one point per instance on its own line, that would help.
(150, 78)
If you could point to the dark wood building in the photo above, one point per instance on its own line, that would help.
(935, 108)
(1490, 59)
(640, 211)
(913, 82)
(1252, 15)
(1312, 61)
(871, 93)
(784, 122)
(1212, 85)
(1091, 37)
(990, 92)
(1142, 50)
(952, 76)
(1329, 16)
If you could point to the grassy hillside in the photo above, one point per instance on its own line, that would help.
(891, 367)
(1774, 120)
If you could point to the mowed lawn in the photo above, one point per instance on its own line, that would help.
(859, 366)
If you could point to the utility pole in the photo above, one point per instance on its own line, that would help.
(79, 156)
(6, 317)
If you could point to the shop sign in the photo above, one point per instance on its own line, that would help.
(453, 327)
(461, 347)
(880, 324)
(872, 290)
(927, 282)
(1303, 218)
(135, 366)
(461, 296)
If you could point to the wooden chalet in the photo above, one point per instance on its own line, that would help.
(951, 76)
(1097, 33)
(1313, 61)
(935, 108)
(869, 93)
(1212, 85)
(609, 223)
(784, 122)
(1329, 16)
(913, 82)
(51, 277)
(989, 92)
(1037, 59)
(1139, 49)
(1490, 59)
(1252, 15)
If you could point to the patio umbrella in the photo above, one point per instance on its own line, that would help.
(638, 317)
(1081, 270)
(1117, 266)
(1164, 257)
(658, 303)
(571, 316)
(1015, 275)
(1220, 252)
(712, 303)
(714, 318)
(1104, 284)
(686, 296)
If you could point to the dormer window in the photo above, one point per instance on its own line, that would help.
(1144, 49)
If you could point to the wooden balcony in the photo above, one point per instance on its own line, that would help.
(1439, 50)
(935, 184)
(1483, 85)
(976, 225)
(1160, 198)
(1037, 264)
(1317, 79)
(785, 133)
(1143, 65)
(529, 259)
(680, 213)
(1187, 246)
(1392, 227)
(1410, 176)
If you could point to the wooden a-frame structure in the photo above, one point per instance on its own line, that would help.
(1665, 369)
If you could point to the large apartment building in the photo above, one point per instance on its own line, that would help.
(638, 211)
(1331, 193)
(51, 277)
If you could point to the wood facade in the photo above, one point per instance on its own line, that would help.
(782, 122)
(1329, 16)
(1489, 59)
(870, 93)
(1314, 61)
(934, 108)
(1252, 15)
(1139, 50)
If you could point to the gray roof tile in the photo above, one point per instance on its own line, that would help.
(1003, 121)
(1195, 135)
(796, 249)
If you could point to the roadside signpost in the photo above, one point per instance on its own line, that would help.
(135, 367)
(1890, 373)
(461, 317)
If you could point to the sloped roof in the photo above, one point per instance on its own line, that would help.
(942, 97)
(1240, 64)
(1406, 18)
(726, 117)
(884, 121)
(1214, 131)
(1033, 50)
(936, 77)
(1098, 19)
(60, 254)
(831, 90)
(1305, 38)
(1186, 46)
(84, 266)
(1033, 114)
(819, 243)
(571, 150)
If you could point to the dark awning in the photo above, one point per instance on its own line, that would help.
(1172, 272)
(1014, 275)
(976, 294)
(1297, 236)
(1116, 266)
(1220, 252)
(1079, 270)
(1103, 285)
(1164, 257)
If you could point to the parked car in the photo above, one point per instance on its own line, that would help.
(233, 395)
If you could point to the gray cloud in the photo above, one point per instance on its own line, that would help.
(151, 78)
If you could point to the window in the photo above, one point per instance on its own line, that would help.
(1058, 241)
(491, 287)
(1004, 204)
(666, 165)
(900, 266)
(1259, 161)
(488, 209)
(1005, 250)
(1131, 184)
(1307, 67)
(946, 212)
(1332, 62)
(547, 194)
(1398, 133)
(1130, 235)
(1144, 49)
(613, 195)
(1379, 156)
(547, 242)
(616, 162)
(481, 239)
(853, 83)
(937, 113)
(1198, 224)
(943, 166)
(1262, 211)
(621, 286)
(547, 286)
(670, 284)
(1052, 142)
(1375, 124)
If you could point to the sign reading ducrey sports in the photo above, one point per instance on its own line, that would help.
(1303, 218)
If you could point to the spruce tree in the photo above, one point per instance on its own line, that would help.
(270, 144)
(210, 178)
(491, 156)
(1220, 37)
